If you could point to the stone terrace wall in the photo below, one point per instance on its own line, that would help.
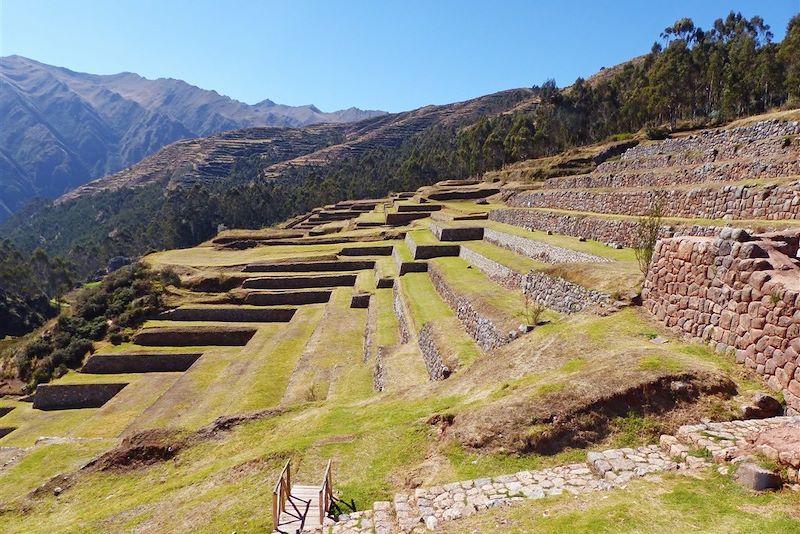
(759, 140)
(551, 291)
(740, 296)
(718, 171)
(561, 295)
(431, 354)
(770, 202)
(538, 250)
(73, 396)
(483, 330)
(402, 316)
(499, 273)
(139, 363)
(621, 231)
(379, 372)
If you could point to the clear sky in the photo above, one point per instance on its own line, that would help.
(372, 54)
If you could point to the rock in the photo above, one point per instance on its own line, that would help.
(431, 522)
(763, 406)
(57, 491)
(757, 478)
(581, 239)
(658, 340)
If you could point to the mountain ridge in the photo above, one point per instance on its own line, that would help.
(62, 128)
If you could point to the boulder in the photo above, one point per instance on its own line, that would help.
(757, 478)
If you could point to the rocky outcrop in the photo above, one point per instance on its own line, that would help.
(741, 294)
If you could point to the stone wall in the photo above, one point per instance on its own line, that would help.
(426, 252)
(194, 336)
(538, 250)
(551, 291)
(6, 430)
(139, 363)
(561, 295)
(310, 266)
(230, 314)
(771, 202)
(431, 354)
(300, 282)
(263, 298)
(404, 267)
(487, 334)
(456, 233)
(718, 171)
(403, 321)
(379, 371)
(619, 231)
(378, 250)
(759, 140)
(499, 273)
(741, 294)
(73, 396)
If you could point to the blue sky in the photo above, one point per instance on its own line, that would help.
(371, 54)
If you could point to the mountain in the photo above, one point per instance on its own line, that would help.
(59, 128)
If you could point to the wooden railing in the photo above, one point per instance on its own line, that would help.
(325, 493)
(281, 493)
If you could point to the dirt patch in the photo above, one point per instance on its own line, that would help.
(11, 386)
(554, 421)
(140, 450)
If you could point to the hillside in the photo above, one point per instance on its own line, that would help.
(63, 128)
(470, 355)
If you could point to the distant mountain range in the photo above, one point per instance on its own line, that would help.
(60, 129)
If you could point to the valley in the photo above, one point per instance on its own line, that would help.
(464, 354)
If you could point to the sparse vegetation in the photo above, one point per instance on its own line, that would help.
(647, 230)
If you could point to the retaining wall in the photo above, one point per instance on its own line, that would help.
(457, 233)
(311, 266)
(403, 320)
(553, 292)
(194, 336)
(431, 354)
(6, 430)
(230, 314)
(404, 267)
(463, 194)
(538, 250)
(257, 298)
(360, 300)
(139, 363)
(739, 294)
(618, 231)
(73, 396)
(770, 202)
(399, 219)
(426, 252)
(483, 330)
(380, 250)
(379, 371)
(5, 410)
(405, 208)
(300, 282)
(561, 295)
(718, 171)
